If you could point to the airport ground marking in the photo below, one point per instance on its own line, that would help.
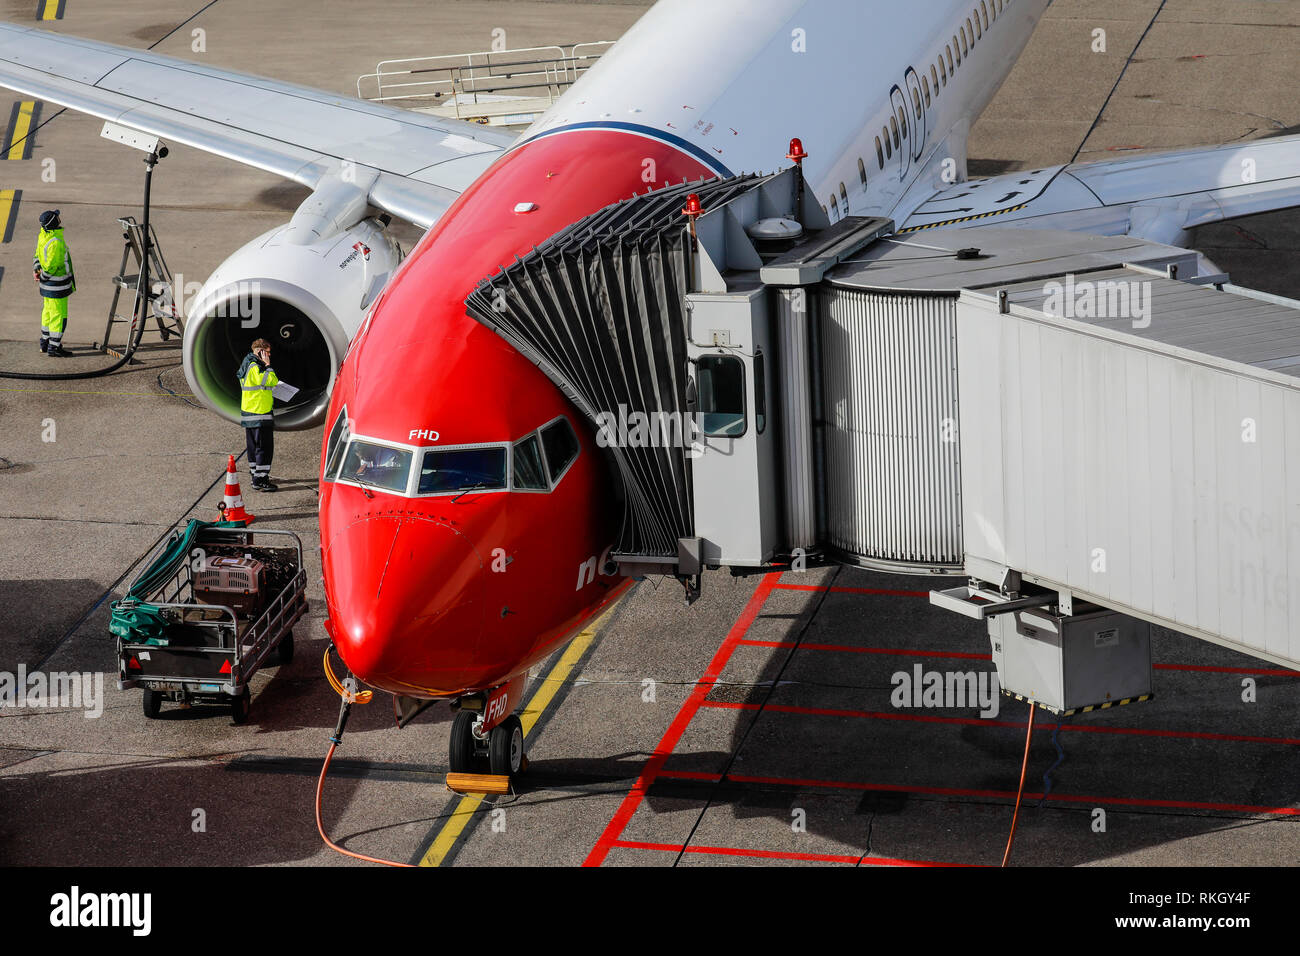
(9, 201)
(967, 655)
(782, 854)
(1086, 799)
(50, 9)
(887, 592)
(18, 140)
(1014, 724)
(533, 711)
(654, 765)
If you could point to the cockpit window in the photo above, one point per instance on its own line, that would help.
(338, 438)
(529, 472)
(368, 463)
(462, 469)
(561, 446)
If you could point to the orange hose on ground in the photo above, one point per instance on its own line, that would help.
(320, 826)
(1029, 733)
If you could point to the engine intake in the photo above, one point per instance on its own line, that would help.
(307, 300)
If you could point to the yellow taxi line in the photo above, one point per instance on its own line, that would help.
(52, 10)
(532, 712)
(21, 128)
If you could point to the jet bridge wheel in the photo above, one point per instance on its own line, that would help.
(506, 746)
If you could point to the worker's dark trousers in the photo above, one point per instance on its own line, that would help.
(261, 446)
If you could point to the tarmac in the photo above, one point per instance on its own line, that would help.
(754, 727)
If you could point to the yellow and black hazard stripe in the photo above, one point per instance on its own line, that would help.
(949, 222)
(50, 9)
(1080, 710)
(23, 120)
(9, 200)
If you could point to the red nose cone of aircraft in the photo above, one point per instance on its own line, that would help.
(405, 602)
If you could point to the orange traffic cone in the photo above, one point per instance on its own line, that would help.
(232, 506)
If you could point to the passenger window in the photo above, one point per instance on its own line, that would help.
(985, 10)
(893, 124)
(902, 121)
(965, 50)
(528, 469)
(916, 102)
(880, 153)
(889, 150)
(862, 172)
(377, 465)
(760, 393)
(979, 32)
(462, 469)
(943, 72)
(561, 446)
(835, 208)
(721, 380)
(844, 197)
(925, 86)
(957, 48)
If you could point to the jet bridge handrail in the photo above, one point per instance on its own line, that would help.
(475, 73)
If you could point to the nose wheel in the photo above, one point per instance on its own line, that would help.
(506, 747)
(501, 749)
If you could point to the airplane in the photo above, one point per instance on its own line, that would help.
(466, 513)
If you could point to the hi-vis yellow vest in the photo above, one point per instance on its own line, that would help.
(54, 265)
(255, 395)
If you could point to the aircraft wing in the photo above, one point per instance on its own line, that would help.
(415, 165)
(1157, 196)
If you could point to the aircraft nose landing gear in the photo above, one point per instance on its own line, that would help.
(486, 735)
(506, 746)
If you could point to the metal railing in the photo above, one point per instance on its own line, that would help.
(466, 83)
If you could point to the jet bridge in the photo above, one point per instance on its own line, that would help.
(1089, 431)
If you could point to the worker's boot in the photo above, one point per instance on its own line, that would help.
(264, 484)
(58, 351)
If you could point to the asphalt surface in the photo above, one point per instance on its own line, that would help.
(627, 761)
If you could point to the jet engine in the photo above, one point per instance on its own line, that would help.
(304, 292)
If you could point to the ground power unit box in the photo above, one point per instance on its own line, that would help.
(1068, 664)
(239, 582)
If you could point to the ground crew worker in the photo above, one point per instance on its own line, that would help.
(52, 269)
(256, 380)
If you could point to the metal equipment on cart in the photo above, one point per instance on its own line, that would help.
(207, 612)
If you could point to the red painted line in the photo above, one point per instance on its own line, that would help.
(780, 854)
(851, 649)
(980, 721)
(913, 652)
(1266, 672)
(1006, 794)
(822, 587)
(673, 734)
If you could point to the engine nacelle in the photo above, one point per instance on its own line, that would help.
(306, 298)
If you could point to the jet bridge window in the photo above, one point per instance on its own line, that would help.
(375, 465)
(445, 470)
(721, 380)
(561, 446)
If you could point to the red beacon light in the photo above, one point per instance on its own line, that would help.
(693, 207)
(796, 150)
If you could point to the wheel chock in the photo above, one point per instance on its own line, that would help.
(478, 783)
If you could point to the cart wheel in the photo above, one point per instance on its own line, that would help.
(286, 648)
(151, 703)
(239, 707)
(461, 757)
(506, 746)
